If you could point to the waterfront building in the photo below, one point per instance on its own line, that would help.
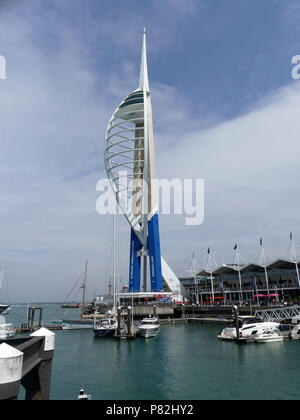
(274, 283)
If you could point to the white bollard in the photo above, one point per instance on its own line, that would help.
(49, 338)
(11, 365)
(39, 389)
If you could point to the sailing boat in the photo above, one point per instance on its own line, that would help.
(81, 324)
(4, 308)
(107, 327)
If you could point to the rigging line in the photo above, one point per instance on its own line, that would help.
(70, 292)
(11, 313)
(74, 297)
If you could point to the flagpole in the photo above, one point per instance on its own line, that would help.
(294, 257)
(195, 280)
(210, 270)
(237, 259)
(263, 263)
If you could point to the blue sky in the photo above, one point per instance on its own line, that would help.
(225, 109)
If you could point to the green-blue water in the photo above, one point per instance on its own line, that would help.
(184, 362)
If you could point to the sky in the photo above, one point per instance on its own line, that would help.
(226, 110)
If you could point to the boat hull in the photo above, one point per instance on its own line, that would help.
(4, 309)
(148, 332)
(102, 333)
(269, 340)
(77, 325)
(7, 336)
(7, 331)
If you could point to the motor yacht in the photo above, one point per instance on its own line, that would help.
(106, 327)
(295, 333)
(4, 309)
(269, 336)
(149, 327)
(249, 328)
(6, 330)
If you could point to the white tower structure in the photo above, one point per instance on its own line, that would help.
(130, 166)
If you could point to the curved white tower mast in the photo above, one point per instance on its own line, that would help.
(130, 166)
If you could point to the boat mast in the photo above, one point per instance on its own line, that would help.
(210, 270)
(114, 263)
(83, 289)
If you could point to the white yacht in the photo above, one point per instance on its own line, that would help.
(4, 309)
(149, 327)
(6, 330)
(295, 334)
(106, 327)
(269, 336)
(249, 328)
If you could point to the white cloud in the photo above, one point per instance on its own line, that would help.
(251, 171)
(55, 106)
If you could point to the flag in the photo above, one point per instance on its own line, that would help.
(254, 284)
(221, 284)
(235, 247)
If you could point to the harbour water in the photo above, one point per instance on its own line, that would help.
(185, 362)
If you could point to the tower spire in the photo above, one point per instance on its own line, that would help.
(144, 80)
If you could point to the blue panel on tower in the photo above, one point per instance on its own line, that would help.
(155, 255)
(135, 264)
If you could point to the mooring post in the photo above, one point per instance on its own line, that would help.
(119, 320)
(237, 322)
(38, 381)
(129, 320)
(41, 318)
(11, 363)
